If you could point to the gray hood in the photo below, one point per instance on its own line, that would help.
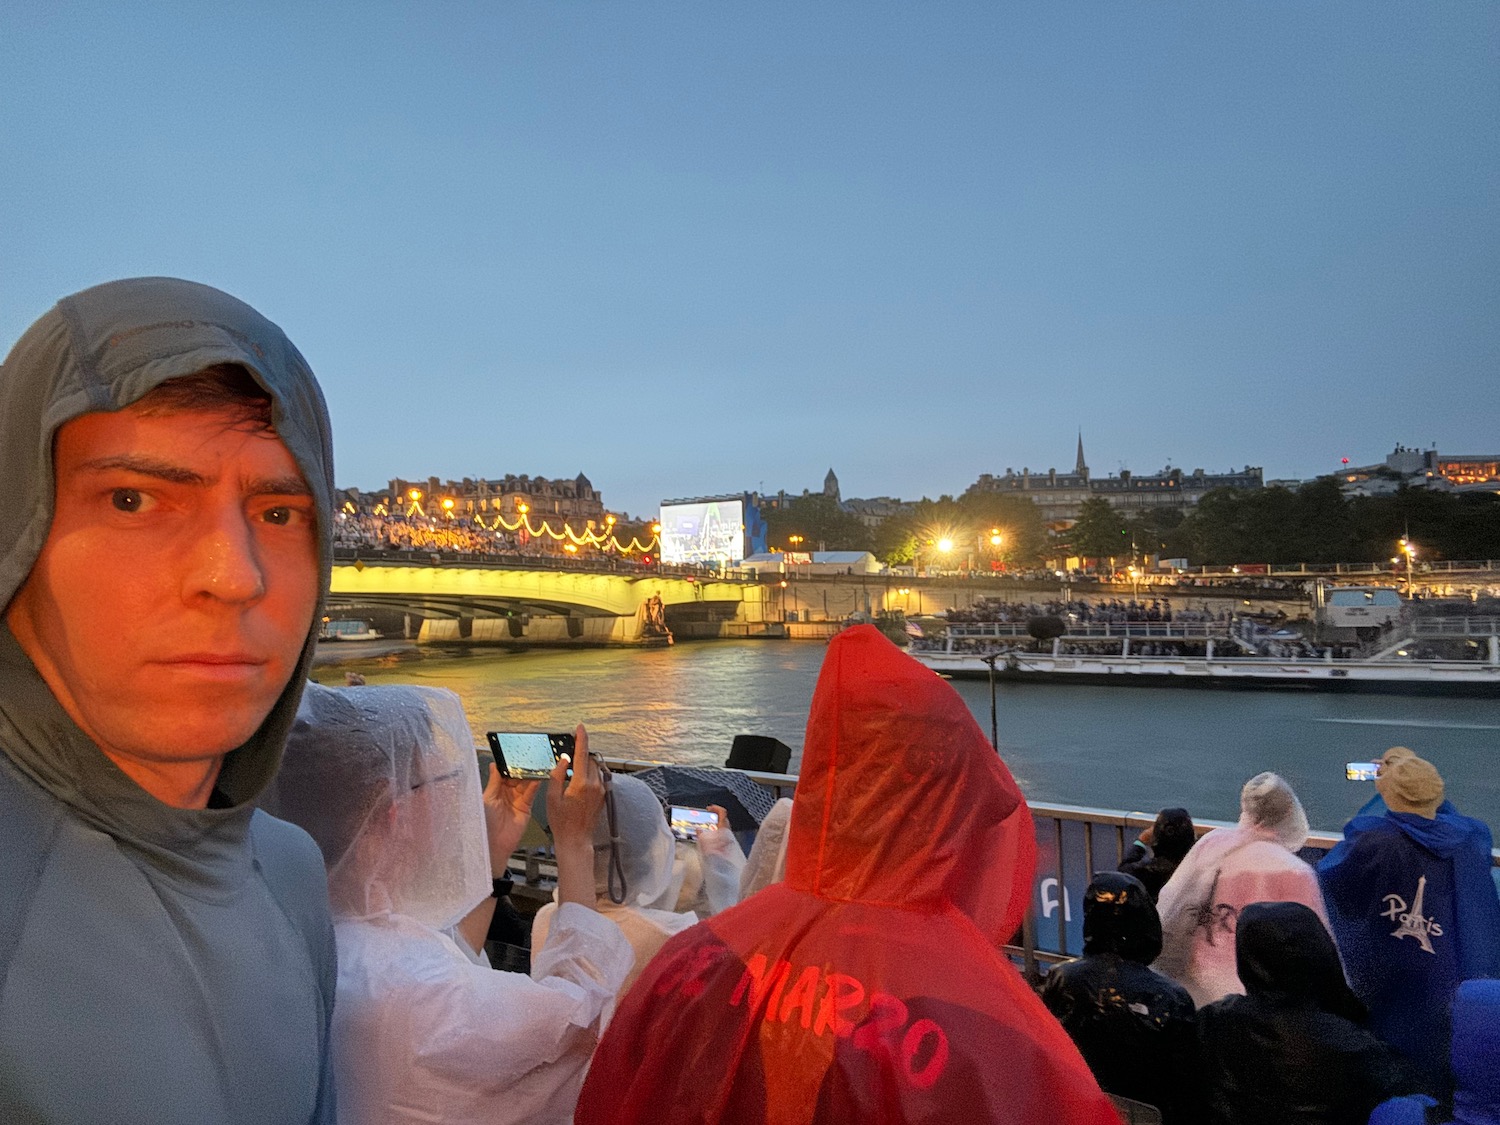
(101, 350)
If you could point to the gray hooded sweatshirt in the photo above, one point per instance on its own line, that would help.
(162, 965)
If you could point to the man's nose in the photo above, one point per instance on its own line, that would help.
(226, 563)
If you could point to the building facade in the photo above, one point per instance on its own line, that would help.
(1060, 496)
(575, 502)
(1405, 467)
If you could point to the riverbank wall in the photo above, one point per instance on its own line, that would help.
(807, 609)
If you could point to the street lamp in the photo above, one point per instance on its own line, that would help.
(944, 546)
(1409, 549)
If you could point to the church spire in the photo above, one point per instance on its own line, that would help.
(1081, 468)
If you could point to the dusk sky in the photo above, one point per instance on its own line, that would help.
(704, 248)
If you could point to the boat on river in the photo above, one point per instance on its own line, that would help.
(347, 629)
(1408, 658)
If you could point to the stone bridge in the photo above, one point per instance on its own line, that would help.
(506, 604)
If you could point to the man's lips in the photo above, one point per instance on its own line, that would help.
(214, 665)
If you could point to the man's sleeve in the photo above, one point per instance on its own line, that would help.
(325, 1111)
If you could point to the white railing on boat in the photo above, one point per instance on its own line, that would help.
(1178, 630)
(1454, 626)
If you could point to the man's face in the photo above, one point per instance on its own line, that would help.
(177, 584)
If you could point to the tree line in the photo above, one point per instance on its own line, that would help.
(1315, 524)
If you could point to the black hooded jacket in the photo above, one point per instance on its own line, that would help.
(1292, 1051)
(1133, 1026)
(1173, 837)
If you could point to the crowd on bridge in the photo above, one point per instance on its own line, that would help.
(442, 536)
(368, 532)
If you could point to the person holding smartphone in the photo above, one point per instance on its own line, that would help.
(644, 848)
(1413, 907)
(386, 780)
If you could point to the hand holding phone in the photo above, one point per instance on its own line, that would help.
(507, 812)
(573, 805)
(527, 755)
(687, 821)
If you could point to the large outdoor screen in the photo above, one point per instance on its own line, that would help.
(708, 532)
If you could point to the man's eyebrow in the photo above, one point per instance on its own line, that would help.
(177, 474)
(146, 467)
(278, 486)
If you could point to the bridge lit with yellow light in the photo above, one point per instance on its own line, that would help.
(459, 601)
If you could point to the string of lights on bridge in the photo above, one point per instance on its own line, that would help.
(604, 540)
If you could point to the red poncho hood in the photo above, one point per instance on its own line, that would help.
(902, 800)
(869, 986)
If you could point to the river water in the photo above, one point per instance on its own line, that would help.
(1126, 748)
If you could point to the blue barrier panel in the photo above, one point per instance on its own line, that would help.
(1057, 896)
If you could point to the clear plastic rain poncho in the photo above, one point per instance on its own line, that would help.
(723, 862)
(386, 780)
(767, 862)
(646, 853)
(705, 875)
(1225, 871)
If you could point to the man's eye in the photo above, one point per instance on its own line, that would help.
(127, 499)
(279, 516)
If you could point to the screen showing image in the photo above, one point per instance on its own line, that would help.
(523, 754)
(710, 532)
(687, 823)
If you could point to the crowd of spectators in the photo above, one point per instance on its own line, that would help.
(1211, 985)
(1113, 611)
(441, 535)
(227, 894)
(444, 536)
(1261, 989)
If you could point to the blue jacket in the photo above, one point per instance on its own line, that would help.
(1414, 911)
(1476, 1065)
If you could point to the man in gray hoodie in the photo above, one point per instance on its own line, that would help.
(166, 954)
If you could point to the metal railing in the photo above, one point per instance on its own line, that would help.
(1455, 626)
(1181, 630)
(1073, 842)
(1312, 570)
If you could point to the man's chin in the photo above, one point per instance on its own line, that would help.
(200, 735)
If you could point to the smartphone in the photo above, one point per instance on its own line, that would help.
(526, 755)
(688, 822)
(1361, 771)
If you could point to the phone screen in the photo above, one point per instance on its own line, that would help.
(1361, 771)
(688, 822)
(526, 755)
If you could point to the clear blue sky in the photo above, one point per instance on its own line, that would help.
(690, 248)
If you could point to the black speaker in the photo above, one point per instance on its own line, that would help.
(759, 752)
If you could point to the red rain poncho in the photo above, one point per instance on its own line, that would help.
(869, 986)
